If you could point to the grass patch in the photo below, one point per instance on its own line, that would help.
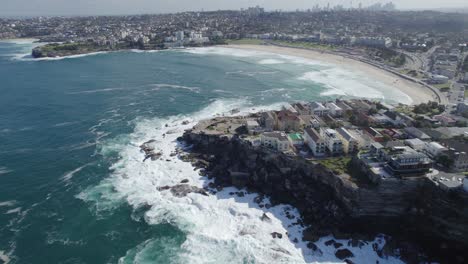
(442, 86)
(244, 41)
(337, 165)
(307, 45)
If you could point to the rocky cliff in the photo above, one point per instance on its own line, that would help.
(414, 211)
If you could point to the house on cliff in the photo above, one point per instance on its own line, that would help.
(332, 141)
(350, 144)
(288, 121)
(275, 140)
(315, 142)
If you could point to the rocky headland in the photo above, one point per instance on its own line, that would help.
(417, 216)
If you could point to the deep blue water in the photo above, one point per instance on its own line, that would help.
(59, 121)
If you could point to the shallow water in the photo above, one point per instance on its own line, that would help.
(74, 189)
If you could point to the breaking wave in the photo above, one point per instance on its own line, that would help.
(220, 228)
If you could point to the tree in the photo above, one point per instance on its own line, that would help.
(445, 160)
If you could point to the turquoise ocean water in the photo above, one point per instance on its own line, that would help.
(73, 187)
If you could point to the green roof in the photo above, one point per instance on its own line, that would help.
(295, 136)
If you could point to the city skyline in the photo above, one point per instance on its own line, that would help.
(122, 7)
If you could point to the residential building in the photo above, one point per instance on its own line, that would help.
(416, 133)
(288, 121)
(334, 110)
(406, 162)
(269, 120)
(253, 127)
(350, 144)
(416, 144)
(301, 109)
(296, 139)
(434, 149)
(332, 141)
(275, 140)
(315, 142)
(445, 120)
(457, 152)
(318, 109)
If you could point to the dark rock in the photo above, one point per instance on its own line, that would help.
(315, 249)
(184, 181)
(347, 261)
(163, 188)
(344, 254)
(265, 218)
(276, 235)
(330, 242)
(337, 245)
(181, 190)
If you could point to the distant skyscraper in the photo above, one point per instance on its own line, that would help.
(360, 5)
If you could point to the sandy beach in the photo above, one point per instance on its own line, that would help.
(417, 92)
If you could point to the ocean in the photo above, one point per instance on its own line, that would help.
(73, 184)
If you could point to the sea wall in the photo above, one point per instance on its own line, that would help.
(413, 209)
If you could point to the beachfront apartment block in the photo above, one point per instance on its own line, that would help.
(350, 143)
(315, 142)
(318, 109)
(332, 141)
(334, 110)
(275, 140)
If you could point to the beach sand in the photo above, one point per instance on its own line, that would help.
(418, 93)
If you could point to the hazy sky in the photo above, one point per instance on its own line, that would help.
(92, 7)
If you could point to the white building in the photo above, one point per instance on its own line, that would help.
(334, 109)
(253, 126)
(314, 141)
(416, 144)
(332, 141)
(318, 109)
(275, 140)
(434, 149)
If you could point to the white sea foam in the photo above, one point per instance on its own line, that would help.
(225, 52)
(4, 257)
(174, 86)
(4, 170)
(7, 203)
(13, 211)
(219, 228)
(347, 83)
(69, 175)
(19, 41)
(104, 90)
(270, 61)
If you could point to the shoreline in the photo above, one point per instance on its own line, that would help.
(417, 92)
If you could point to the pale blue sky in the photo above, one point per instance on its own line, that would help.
(92, 7)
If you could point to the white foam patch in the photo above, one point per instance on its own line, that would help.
(14, 211)
(343, 82)
(174, 86)
(4, 170)
(219, 228)
(69, 175)
(4, 257)
(8, 203)
(225, 52)
(270, 61)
